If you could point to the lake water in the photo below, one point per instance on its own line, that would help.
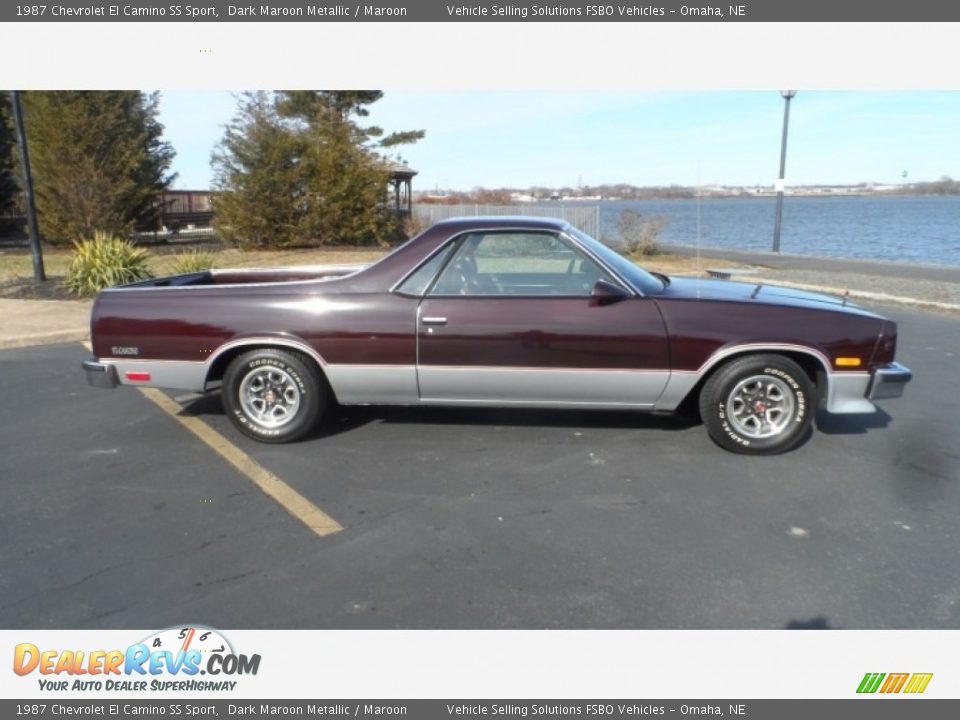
(911, 229)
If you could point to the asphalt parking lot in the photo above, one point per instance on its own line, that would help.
(116, 515)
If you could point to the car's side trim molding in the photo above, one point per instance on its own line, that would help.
(552, 404)
(726, 352)
(567, 369)
(266, 340)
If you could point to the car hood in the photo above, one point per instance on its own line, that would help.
(730, 291)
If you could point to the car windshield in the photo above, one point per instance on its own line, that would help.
(642, 280)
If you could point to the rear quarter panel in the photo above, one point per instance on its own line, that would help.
(190, 324)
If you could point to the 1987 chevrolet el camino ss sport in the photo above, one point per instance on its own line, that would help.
(498, 311)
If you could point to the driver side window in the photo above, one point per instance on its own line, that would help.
(518, 263)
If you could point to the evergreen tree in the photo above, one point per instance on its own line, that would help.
(296, 168)
(258, 178)
(328, 105)
(98, 159)
(345, 185)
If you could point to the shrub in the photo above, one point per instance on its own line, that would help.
(640, 234)
(193, 261)
(103, 262)
(414, 225)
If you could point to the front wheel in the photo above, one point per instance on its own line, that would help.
(273, 396)
(758, 405)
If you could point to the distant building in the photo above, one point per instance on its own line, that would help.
(185, 209)
(193, 209)
(400, 187)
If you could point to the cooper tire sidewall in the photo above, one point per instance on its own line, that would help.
(307, 386)
(729, 437)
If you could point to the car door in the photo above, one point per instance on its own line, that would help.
(516, 318)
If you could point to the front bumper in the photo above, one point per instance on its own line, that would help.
(851, 393)
(888, 381)
(100, 374)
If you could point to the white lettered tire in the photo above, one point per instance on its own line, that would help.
(273, 396)
(758, 405)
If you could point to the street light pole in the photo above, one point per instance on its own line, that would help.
(788, 95)
(38, 273)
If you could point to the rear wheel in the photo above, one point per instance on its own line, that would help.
(274, 396)
(758, 405)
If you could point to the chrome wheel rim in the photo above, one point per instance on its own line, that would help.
(761, 406)
(270, 397)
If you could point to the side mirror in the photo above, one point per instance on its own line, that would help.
(607, 293)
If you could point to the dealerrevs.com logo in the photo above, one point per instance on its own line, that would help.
(176, 659)
(893, 683)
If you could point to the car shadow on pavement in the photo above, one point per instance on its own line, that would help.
(200, 405)
(507, 417)
(830, 424)
(341, 419)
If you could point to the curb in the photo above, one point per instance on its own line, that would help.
(841, 292)
(48, 338)
(797, 261)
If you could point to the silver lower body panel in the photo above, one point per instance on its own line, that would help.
(169, 374)
(544, 387)
(660, 390)
(847, 394)
(374, 384)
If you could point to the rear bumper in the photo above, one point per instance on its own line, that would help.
(888, 381)
(100, 374)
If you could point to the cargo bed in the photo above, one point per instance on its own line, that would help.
(251, 276)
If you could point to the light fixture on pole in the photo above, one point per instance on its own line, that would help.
(788, 95)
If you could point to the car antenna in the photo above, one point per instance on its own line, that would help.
(699, 273)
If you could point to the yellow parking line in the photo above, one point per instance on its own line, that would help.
(272, 486)
(288, 498)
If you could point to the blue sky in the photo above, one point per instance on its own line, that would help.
(551, 138)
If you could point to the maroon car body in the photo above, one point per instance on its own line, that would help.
(498, 311)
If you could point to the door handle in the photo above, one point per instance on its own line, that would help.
(433, 320)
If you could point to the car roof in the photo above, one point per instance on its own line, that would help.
(487, 222)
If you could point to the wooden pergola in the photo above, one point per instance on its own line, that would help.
(401, 186)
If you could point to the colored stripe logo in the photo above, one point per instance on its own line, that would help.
(890, 683)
